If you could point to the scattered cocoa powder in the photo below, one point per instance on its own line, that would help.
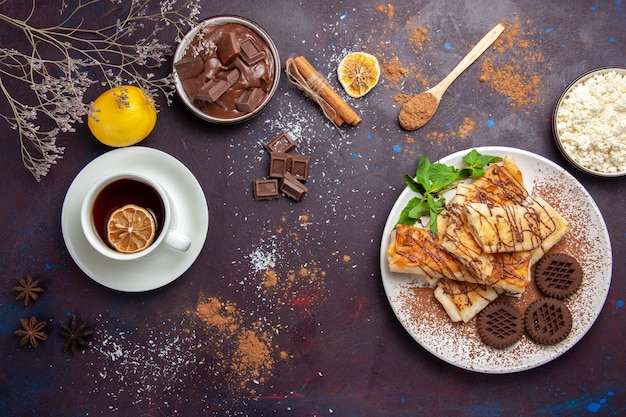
(514, 71)
(243, 353)
(419, 37)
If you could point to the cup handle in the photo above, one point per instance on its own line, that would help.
(177, 240)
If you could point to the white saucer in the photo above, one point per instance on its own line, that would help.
(159, 268)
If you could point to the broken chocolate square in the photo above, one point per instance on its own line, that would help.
(299, 166)
(292, 187)
(213, 89)
(281, 143)
(250, 52)
(189, 67)
(249, 100)
(228, 48)
(265, 189)
(279, 164)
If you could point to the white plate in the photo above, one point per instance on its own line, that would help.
(458, 343)
(157, 269)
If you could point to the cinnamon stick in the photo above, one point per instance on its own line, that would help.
(317, 83)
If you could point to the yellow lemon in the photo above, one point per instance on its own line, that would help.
(358, 73)
(122, 116)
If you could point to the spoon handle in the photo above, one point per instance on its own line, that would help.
(467, 60)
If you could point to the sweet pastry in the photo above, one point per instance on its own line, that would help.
(418, 251)
(558, 275)
(548, 321)
(500, 325)
(463, 300)
(504, 228)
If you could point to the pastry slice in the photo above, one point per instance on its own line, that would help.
(418, 251)
(463, 300)
(499, 228)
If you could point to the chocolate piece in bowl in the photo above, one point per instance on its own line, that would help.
(189, 67)
(249, 100)
(250, 52)
(228, 48)
(215, 88)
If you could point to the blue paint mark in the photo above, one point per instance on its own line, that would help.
(397, 148)
(447, 46)
(612, 39)
(355, 156)
(619, 303)
(594, 407)
(549, 30)
(344, 16)
(593, 8)
(48, 267)
(369, 137)
(490, 123)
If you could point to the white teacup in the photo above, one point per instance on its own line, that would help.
(117, 189)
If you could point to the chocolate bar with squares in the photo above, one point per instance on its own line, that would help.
(292, 187)
(265, 189)
(299, 166)
(280, 163)
(281, 143)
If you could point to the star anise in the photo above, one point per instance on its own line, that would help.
(31, 332)
(75, 335)
(28, 289)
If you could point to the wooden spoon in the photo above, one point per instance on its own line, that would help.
(416, 112)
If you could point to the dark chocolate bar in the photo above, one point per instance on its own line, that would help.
(299, 166)
(280, 163)
(265, 189)
(281, 143)
(292, 187)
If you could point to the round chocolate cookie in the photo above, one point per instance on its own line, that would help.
(500, 325)
(548, 321)
(558, 275)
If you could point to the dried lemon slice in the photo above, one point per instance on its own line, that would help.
(358, 73)
(130, 229)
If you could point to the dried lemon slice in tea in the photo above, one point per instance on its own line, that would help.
(358, 73)
(130, 229)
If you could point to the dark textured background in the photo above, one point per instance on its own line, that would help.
(345, 354)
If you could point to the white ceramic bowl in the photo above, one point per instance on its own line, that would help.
(222, 20)
(570, 152)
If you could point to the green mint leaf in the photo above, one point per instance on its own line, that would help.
(414, 185)
(422, 175)
(442, 177)
(405, 218)
(420, 209)
(434, 208)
